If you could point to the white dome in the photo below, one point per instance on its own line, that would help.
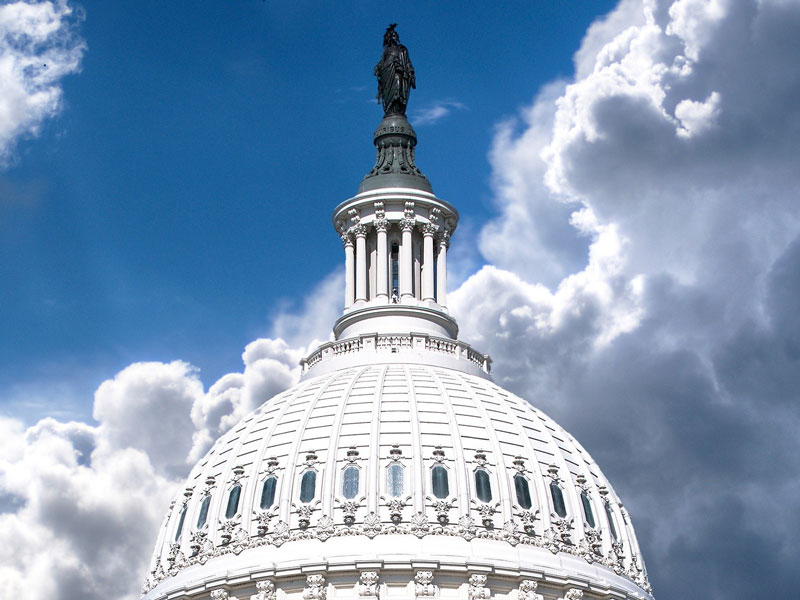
(420, 417)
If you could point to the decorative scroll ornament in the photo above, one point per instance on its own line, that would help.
(480, 458)
(272, 466)
(429, 229)
(466, 527)
(438, 454)
(407, 224)
(368, 584)
(616, 558)
(315, 588)
(381, 224)
(528, 519)
(527, 590)
(347, 239)
(487, 512)
(442, 509)
(477, 588)
(580, 481)
(396, 506)
(519, 465)
(444, 238)
(590, 547)
(349, 509)
(573, 594)
(265, 590)
(325, 528)
(238, 473)
(552, 473)
(424, 586)
(221, 595)
(311, 459)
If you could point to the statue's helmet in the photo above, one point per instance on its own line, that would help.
(390, 38)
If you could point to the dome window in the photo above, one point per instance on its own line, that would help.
(587, 509)
(308, 485)
(201, 519)
(233, 501)
(180, 523)
(611, 522)
(268, 492)
(439, 482)
(483, 486)
(558, 500)
(350, 478)
(394, 480)
(523, 491)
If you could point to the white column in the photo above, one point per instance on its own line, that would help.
(427, 261)
(382, 275)
(406, 287)
(441, 269)
(349, 290)
(360, 232)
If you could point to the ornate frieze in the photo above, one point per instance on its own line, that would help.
(573, 594)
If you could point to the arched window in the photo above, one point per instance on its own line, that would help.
(483, 486)
(308, 486)
(587, 509)
(394, 480)
(268, 492)
(611, 522)
(558, 500)
(180, 523)
(350, 482)
(441, 487)
(523, 491)
(201, 519)
(233, 501)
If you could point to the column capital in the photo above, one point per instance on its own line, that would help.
(381, 224)
(428, 229)
(347, 238)
(359, 230)
(444, 237)
(407, 224)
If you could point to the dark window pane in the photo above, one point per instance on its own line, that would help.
(268, 492)
(307, 485)
(523, 491)
(394, 480)
(558, 500)
(201, 519)
(611, 522)
(350, 482)
(587, 509)
(233, 501)
(441, 487)
(180, 523)
(483, 486)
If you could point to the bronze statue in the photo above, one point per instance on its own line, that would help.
(395, 74)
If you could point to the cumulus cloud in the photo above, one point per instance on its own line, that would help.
(38, 47)
(671, 351)
(80, 504)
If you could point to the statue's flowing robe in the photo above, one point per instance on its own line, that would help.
(395, 78)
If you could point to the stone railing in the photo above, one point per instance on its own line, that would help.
(394, 343)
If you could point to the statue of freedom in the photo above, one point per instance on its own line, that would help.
(395, 74)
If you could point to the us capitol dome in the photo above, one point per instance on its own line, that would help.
(396, 469)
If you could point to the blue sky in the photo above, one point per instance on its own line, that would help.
(628, 252)
(182, 195)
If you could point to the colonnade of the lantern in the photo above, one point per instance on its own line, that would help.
(431, 276)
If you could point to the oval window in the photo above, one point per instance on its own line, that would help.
(587, 509)
(308, 486)
(233, 501)
(394, 480)
(350, 482)
(268, 492)
(180, 523)
(201, 519)
(441, 487)
(558, 500)
(611, 522)
(483, 486)
(523, 491)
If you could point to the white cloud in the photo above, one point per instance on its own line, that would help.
(436, 111)
(38, 47)
(672, 350)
